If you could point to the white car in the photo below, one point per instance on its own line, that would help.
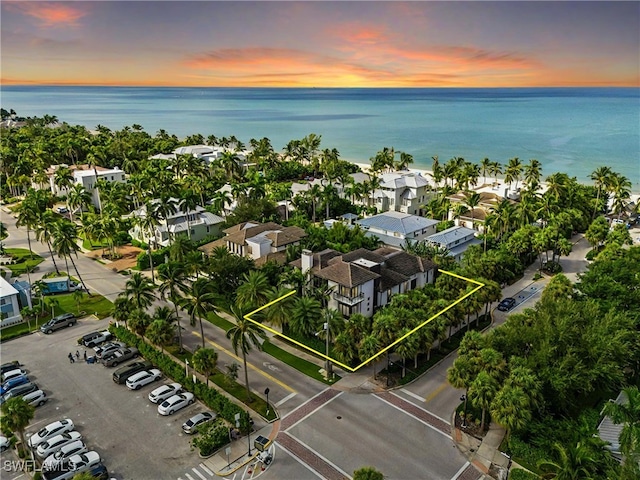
(52, 445)
(4, 443)
(51, 430)
(175, 403)
(143, 378)
(12, 374)
(160, 394)
(56, 460)
(36, 398)
(84, 461)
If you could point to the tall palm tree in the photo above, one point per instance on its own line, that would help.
(78, 197)
(140, 290)
(244, 335)
(513, 171)
(46, 221)
(147, 222)
(199, 302)
(164, 208)
(620, 188)
(485, 166)
(172, 276)
(601, 177)
(65, 243)
(160, 331)
(304, 315)
(253, 292)
(63, 178)
(532, 173)
(472, 200)
(188, 203)
(278, 314)
(481, 393)
(511, 409)
(205, 361)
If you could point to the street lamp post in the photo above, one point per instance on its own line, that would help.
(186, 368)
(266, 392)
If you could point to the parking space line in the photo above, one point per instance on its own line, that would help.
(285, 399)
(204, 467)
(197, 472)
(261, 372)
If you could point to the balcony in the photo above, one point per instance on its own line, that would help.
(348, 300)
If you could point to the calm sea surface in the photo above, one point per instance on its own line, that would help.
(573, 130)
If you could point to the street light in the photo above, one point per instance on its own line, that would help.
(266, 392)
(327, 367)
(186, 368)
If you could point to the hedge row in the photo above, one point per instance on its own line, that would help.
(209, 396)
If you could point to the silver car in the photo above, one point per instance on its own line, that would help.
(160, 394)
(189, 427)
(36, 398)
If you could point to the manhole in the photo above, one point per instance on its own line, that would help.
(339, 417)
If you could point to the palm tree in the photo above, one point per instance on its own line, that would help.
(122, 309)
(139, 321)
(511, 409)
(485, 166)
(205, 361)
(532, 173)
(253, 292)
(513, 171)
(333, 324)
(472, 200)
(63, 179)
(304, 315)
(573, 463)
(44, 227)
(172, 276)
(16, 416)
(139, 289)
(199, 303)
(367, 473)
(278, 314)
(244, 335)
(620, 188)
(601, 177)
(369, 346)
(65, 243)
(189, 203)
(78, 197)
(160, 332)
(164, 208)
(481, 393)
(148, 221)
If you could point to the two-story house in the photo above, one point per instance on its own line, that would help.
(85, 175)
(455, 239)
(402, 192)
(363, 280)
(260, 241)
(395, 228)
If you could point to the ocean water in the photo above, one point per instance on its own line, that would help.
(573, 130)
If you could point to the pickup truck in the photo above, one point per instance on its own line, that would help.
(93, 339)
(119, 356)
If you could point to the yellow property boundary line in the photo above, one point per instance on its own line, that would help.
(347, 367)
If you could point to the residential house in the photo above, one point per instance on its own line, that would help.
(456, 240)
(610, 431)
(363, 280)
(474, 218)
(9, 306)
(260, 241)
(402, 191)
(201, 223)
(85, 175)
(395, 228)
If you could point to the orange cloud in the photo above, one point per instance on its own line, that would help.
(49, 14)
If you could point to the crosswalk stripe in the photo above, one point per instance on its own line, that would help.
(188, 476)
(197, 472)
(288, 397)
(204, 467)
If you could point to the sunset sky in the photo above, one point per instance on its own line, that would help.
(324, 44)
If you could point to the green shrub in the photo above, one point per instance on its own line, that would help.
(519, 474)
(212, 437)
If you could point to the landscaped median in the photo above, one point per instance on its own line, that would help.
(214, 399)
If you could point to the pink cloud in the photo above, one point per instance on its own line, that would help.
(49, 14)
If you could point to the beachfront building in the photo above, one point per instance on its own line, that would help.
(84, 175)
(402, 191)
(474, 217)
(456, 240)
(395, 228)
(262, 242)
(195, 224)
(363, 280)
(9, 306)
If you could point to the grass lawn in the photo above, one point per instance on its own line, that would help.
(23, 259)
(62, 304)
(89, 245)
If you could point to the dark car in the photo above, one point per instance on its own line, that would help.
(7, 367)
(120, 375)
(99, 471)
(13, 383)
(19, 391)
(61, 321)
(506, 304)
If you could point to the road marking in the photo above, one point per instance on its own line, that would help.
(436, 392)
(204, 467)
(197, 472)
(250, 365)
(459, 472)
(299, 460)
(288, 397)
(320, 456)
(411, 415)
(411, 394)
(314, 410)
(188, 476)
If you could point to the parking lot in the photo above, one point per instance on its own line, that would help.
(123, 426)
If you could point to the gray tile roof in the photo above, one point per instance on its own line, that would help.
(609, 431)
(397, 222)
(450, 235)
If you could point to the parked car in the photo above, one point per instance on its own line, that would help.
(5, 367)
(119, 356)
(55, 443)
(160, 394)
(506, 304)
(99, 471)
(107, 348)
(4, 443)
(56, 323)
(19, 391)
(92, 339)
(123, 373)
(84, 461)
(12, 373)
(57, 459)
(51, 430)
(190, 426)
(143, 378)
(13, 383)
(175, 403)
(62, 210)
(37, 398)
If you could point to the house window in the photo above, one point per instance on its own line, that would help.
(112, 178)
(414, 283)
(207, 229)
(348, 292)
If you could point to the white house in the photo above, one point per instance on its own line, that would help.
(201, 223)
(402, 192)
(395, 228)
(456, 240)
(9, 306)
(363, 280)
(85, 175)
